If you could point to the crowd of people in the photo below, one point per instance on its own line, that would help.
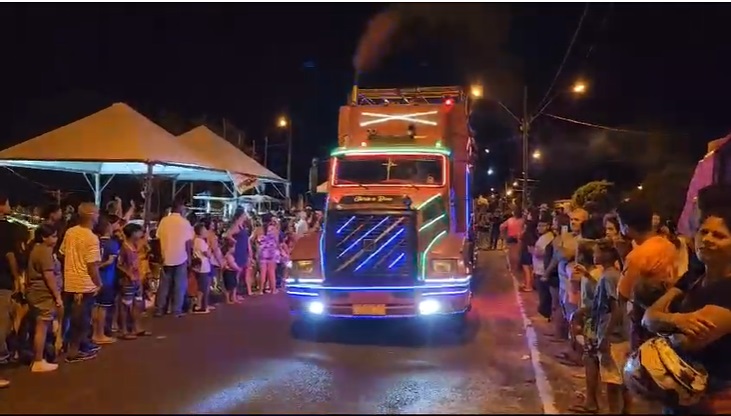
(646, 312)
(83, 279)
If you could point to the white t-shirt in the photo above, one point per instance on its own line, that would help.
(174, 232)
(200, 247)
(540, 247)
(80, 246)
(300, 228)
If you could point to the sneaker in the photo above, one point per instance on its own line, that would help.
(104, 341)
(211, 308)
(4, 383)
(91, 348)
(5, 359)
(42, 366)
(201, 311)
(81, 356)
(180, 315)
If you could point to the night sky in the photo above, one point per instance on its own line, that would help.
(657, 68)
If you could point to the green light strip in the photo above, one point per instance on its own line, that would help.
(391, 151)
(426, 252)
(428, 201)
(432, 222)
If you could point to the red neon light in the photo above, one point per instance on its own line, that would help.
(334, 164)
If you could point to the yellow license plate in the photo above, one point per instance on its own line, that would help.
(373, 310)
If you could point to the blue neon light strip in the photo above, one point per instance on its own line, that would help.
(393, 237)
(393, 263)
(379, 288)
(426, 252)
(363, 236)
(346, 224)
(452, 293)
(295, 293)
(428, 224)
(468, 197)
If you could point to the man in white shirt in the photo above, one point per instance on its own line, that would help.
(81, 252)
(300, 227)
(176, 235)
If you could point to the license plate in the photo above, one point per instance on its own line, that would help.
(373, 310)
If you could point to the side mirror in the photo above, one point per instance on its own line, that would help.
(313, 176)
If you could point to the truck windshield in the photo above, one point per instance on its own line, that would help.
(419, 170)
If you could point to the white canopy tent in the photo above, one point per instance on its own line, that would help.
(208, 144)
(114, 141)
(212, 146)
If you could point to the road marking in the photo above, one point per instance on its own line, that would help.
(545, 391)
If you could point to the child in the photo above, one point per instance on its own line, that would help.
(130, 283)
(611, 328)
(231, 271)
(286, 252)
(585, 275)
(43, 292)
(106, 298)
(202, 268)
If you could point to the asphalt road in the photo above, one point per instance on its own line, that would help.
(243, 359)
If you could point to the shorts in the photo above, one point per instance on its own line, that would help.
(130, 292)
(230, 280)
(42, 305)
(204, 281)
(106, 296)
(611, 363)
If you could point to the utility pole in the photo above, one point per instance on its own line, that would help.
(525, 126)
(289, 164)
(266, 151)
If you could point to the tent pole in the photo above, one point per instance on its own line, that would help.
(148, 198)
(97, 190)
(288, 202)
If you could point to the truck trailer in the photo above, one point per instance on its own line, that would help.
(396, 240)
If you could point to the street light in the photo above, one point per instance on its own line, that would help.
(284, 123)
(537, 154)
(515, 184)
(476, 91)
(487, 151)
(579, 88)
(509, 192)
(639, 187)
(490, 171)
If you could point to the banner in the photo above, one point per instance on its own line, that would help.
(243, 183)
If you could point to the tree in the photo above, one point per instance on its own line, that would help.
(598, 192)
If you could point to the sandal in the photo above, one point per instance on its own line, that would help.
(144, 334)
(128, 337)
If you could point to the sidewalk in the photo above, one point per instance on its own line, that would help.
(567, 382)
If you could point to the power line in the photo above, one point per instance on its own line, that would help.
(598, 126)
(566, 55)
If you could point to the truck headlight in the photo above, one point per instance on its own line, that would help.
(303, 266)
(444, 266)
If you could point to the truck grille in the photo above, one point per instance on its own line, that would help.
(364, 248)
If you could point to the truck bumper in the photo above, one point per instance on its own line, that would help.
(436, 297)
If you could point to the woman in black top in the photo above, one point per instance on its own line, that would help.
(698, 310)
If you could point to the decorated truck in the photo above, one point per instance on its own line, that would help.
(396, 236)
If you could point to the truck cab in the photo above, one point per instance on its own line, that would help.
(395, 241)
